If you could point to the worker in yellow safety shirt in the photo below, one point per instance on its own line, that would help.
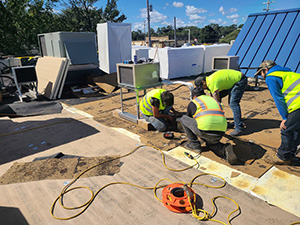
(284, 86)
(227, 82)
(156, 107)
(206, 119)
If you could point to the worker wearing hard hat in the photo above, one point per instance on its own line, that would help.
(227, 82)
(206, 119)
(284, 86)
(156, 106)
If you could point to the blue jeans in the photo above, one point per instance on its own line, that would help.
(235, 97)
(158, 123)
(290, 137)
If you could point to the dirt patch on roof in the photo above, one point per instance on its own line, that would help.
(62, 168)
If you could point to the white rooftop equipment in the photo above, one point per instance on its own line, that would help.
(178, 62)
(212, 51)
(225, 62)
(114, 45)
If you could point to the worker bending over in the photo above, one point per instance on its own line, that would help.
(206, 119)
(227, 82)
(284, 86)
(155, 108)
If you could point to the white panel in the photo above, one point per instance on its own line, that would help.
(180, 62)
(214, 50)
(114, 45)
(141, 52)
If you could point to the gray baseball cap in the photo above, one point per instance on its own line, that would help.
(267, 64)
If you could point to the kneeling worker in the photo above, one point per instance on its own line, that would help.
(206, 119)
(155, 107)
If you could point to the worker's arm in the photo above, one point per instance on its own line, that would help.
(176, 113)
(275, 85)
(216, 95)
(157, 114)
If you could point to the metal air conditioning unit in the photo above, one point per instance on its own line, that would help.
(138, 75)
(79, 47)
(225, 62)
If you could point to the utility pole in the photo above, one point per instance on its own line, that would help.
(145, 32)
(189, 35)
(175, 38)
(268, 5)
(148, 18)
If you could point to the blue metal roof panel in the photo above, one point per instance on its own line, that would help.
(244, 49)
(240, 38)
(273, 35)
(257, 41)
(269, 37)
(294, 57)
(289, 42)
(276, 45)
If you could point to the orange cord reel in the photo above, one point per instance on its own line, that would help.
(175, 197)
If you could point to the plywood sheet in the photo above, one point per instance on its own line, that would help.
(63, 79)
(107, 82)
(49, 71)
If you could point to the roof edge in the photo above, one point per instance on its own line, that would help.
(275, 12)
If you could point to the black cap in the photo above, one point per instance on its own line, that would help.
(167, 98)
(198, 81)
(197, 91)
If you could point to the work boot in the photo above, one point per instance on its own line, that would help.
(230, 125)
(236, 133)
(229, 154)
(190, 146)
(275, 160)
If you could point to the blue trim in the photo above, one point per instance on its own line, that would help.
(275, 12)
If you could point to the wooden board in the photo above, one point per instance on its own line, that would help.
(49, 72)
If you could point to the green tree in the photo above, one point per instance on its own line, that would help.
(208, 35)
(138, 35)
(21, 21)
(112, 14)
(82, 15)
(232, 35)
(165, 31)
(79, 15)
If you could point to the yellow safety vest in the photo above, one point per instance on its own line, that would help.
(209, 114)
(145, 103)
(290, 89)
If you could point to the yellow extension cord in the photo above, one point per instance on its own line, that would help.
(195, 212)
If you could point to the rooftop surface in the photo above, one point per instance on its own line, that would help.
(86, 127)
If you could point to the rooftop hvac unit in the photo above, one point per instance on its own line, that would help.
(114, 45)
(79, 47)
(225, 62)
(138, 75)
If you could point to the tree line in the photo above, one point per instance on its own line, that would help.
(212, 33)
(22, 21)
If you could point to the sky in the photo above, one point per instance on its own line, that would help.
(194, 12)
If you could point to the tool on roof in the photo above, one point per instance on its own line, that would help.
(168, 135)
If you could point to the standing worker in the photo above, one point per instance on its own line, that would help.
(284, 86)
(205, 119)
(227, 82)
(155, 108)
